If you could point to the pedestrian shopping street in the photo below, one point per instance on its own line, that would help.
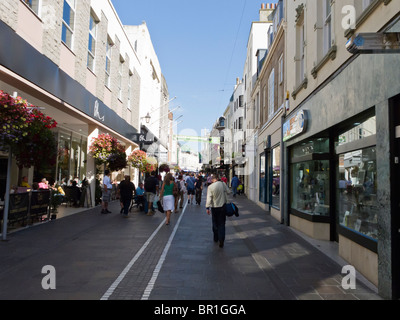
(109, 257)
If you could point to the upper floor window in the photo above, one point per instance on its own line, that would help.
(130, 90)
(271, 94)
(68, 22)
(327, 25)
(120, 71)
(33, 4)
(108, 62)
(92, 42)
(281, 70)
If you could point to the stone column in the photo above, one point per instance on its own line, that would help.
(91, 165)
(384, 218)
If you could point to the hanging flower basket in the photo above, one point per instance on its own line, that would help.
(164, 168)
(149, 167)
(139, 159)
(27, 131)
(107, 150)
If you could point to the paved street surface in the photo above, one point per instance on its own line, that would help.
(114, 258)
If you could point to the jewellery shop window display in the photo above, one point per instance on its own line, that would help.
(357, 184)
(310, 178)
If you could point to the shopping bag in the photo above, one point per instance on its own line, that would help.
(231, 210)
(160, 206)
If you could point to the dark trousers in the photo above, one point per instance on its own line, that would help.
(218, 223)
(127, 204)
(198, 195)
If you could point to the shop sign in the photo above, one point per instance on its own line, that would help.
(141, 138)
(295, 126)
(97, 112)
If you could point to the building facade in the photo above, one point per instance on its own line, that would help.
(272, 95)
(340, 134)
(326, 126)
(82, 69)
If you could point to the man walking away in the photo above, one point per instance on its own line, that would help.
(106, 196)
(234, 185)
(190, 182)
(217, 197)
(199, 188)
(151, 187)
(126, 189)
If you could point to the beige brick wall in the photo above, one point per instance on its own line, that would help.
(50, 22)
(9, 12)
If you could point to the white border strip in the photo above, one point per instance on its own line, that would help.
(150, 285)
(111, 290)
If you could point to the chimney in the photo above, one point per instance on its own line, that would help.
(266, 10)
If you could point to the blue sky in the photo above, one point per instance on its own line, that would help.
(201, 46)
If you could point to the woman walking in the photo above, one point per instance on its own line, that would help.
(167, 195)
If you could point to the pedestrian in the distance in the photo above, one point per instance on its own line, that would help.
(190, 187)
(106, 195)
(167, 196)
(234, 185)
(126, 190)
(217, 197)
(151, 189)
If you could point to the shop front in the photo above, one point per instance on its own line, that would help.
(340, 146)
(269, 166)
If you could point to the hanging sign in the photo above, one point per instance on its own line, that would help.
(211, 140)
(295, 126)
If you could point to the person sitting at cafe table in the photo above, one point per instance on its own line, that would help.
(44, 184)
(76, 193)
(24, 183)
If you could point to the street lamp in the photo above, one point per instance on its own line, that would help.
(147, 118)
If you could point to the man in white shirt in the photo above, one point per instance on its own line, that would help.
(217, 197)
(106, 196)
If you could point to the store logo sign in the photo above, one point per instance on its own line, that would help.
(97, 112)
(295, 126)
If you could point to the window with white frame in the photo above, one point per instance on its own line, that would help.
(108, 62)
(129, 105)
(327, 25)
(92, 42)
(281, 66)
(120, 70)
(68, 22)
(33, 4)
(271, 94)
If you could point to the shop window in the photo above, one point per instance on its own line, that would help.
(64, 152)
(359, 130)
(276, 176)
(357, 192)
(310, 187)
(357, 203)
(72, 158)
(263, 179)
